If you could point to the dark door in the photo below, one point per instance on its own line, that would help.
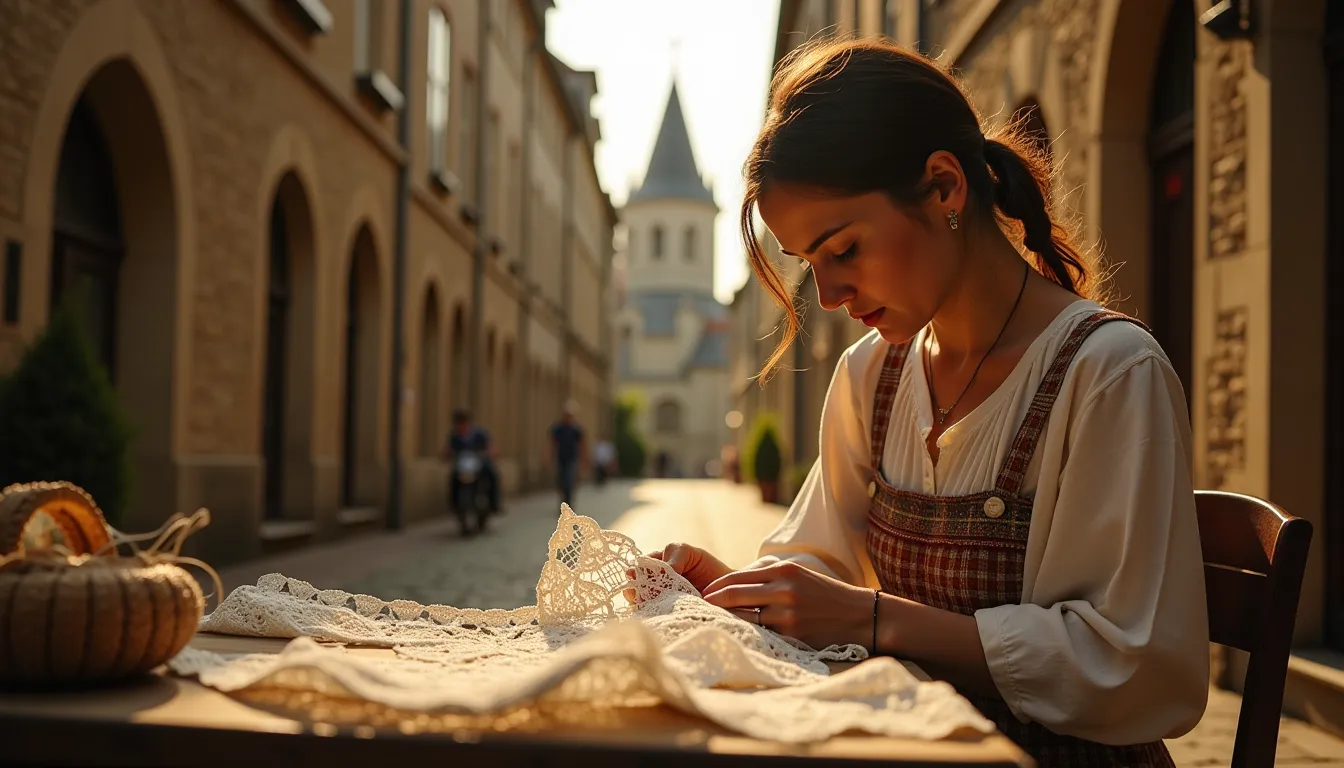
(87, 243)
(277, 323)
(1172, 158)
(1334, 476)
(350, 451)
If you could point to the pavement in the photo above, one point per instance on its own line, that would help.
(431, 563)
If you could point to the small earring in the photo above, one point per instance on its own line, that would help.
(953, 220)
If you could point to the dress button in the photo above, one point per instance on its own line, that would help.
(994, 507)
(872, 489)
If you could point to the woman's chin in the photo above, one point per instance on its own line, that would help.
(897, 333)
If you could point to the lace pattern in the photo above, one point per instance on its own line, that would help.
(583, 642)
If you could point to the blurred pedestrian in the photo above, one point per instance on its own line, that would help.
(566, 452)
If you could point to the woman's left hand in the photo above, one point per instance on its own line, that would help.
(797, 602)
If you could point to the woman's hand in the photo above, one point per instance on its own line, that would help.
(693, 563)
(797, 602)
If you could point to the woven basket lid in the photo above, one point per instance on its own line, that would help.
(74, 513)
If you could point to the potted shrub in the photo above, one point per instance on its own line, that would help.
(767, 465)
(630, 451)
(60, 418)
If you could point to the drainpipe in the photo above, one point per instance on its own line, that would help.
(524, 381)
(483, 169)
(394, 511)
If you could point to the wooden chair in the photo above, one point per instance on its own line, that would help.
(1254, 556)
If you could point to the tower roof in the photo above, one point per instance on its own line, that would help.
(673, 174)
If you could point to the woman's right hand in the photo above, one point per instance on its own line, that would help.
(692, 563)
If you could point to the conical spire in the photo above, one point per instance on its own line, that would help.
(673, 174)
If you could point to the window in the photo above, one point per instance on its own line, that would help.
(364, 38)
(668, 417)
(467, 130)
(657, 242)
(690, 243)
(436, 103)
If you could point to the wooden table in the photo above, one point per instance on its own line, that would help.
(163, 720)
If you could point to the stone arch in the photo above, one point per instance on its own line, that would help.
(291, 159)
(286, 340)
(364, 323)
(111, 60)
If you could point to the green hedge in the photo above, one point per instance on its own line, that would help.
(60, 418)
(631, 453)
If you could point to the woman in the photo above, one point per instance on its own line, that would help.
(1004, 492)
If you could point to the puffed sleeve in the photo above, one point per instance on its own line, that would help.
(826, 526)
(1111, 644)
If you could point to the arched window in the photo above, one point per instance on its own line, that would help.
(690, 244)
(436, 100)
(658, 242)
(668, 417)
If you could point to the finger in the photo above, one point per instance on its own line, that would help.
(766, 575)
(678, 556)
(744, 596)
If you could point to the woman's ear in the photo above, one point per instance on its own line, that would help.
(943, 174)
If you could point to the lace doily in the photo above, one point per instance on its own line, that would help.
(582, 643)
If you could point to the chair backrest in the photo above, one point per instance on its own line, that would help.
(1254, 557)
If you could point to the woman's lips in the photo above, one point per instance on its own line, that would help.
(872, 318)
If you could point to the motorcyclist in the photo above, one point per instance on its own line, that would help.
(467, 437)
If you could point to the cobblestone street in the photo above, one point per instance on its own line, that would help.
(432, 564)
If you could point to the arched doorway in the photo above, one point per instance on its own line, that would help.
(1171, 152)
(1028, 116)
(458, 375)
(87, 245)
(287, 382)
(114, 258)
(432, 430)
(363, 366)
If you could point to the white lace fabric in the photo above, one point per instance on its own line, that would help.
(583, 643)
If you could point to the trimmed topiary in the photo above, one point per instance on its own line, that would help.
(60, 419)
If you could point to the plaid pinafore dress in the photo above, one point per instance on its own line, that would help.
(964, 553)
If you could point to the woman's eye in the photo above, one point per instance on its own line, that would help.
(847, 254)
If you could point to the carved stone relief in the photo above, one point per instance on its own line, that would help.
(1226, 433)
(1227, 150)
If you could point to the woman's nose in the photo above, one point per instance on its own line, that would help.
(831, 293)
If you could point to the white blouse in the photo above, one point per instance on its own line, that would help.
(1110, 642)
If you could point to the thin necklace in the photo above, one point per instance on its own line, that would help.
(928, 368)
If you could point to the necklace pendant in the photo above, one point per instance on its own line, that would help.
(942, 414)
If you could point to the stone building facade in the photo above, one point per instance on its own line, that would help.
(1207, 160)
(306, 231)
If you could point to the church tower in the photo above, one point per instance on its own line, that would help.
(673, 351)
(669, 219)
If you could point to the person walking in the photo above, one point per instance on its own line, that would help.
(567, 452)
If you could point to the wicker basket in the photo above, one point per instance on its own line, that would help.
(71, 609)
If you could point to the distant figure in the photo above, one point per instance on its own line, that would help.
(467, 440)
(604, 460)
(567, 453)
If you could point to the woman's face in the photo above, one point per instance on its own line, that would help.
(878, 261)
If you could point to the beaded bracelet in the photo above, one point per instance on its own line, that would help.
(876, 593)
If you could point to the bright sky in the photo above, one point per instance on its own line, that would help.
(722, 59)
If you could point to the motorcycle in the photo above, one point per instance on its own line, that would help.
(471, 500)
